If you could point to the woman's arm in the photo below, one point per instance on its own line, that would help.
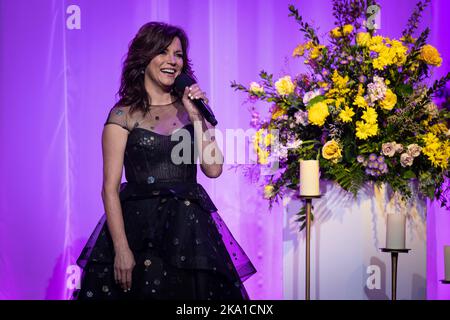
(211, 160)
(211, 157)
(114, 140)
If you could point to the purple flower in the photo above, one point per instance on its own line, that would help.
(301, 117)
(360, 159)
(253, 98)
(373, 157)
(255, 121)
(380, 159)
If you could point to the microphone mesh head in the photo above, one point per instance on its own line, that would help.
(183, 81)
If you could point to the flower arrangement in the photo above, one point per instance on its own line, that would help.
(362, 109)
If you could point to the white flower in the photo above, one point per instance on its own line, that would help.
(294, 144)
(406, 160)
(432, 109)
(301, 117)
(311, 95)
(388, 149)
(376, 90)
(398, 148)
(256, 88)
(413, 150)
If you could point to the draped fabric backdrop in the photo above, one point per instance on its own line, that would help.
(60, 64)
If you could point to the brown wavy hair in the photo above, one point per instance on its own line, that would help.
(151, 39)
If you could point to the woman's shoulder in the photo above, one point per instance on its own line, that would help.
(128, 112)
(123, 116)
(120, 109)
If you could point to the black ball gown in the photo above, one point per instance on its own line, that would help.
(182, 247)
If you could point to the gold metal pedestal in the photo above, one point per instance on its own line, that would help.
(308, 200)
(394, 264)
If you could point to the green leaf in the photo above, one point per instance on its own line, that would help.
(314, 100)
(405, 90)
(408, 175)
(292, 186)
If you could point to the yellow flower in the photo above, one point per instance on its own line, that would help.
(332, 151)
(414, 66)
(430, 138)
(268, 139)
(437, 152)
(408, 39)
(339, 101)
(318, 113)
(376, 43)
(278, 112)
(389, 52)
(299, 51)
(316, 52)
(362, 39)
(348, 28)
(360, 90)
(342, 32)
(263, 156)
(256, 89)
(261, 153)
(381, 62)
(338, 80)
(439, 128)
(390, 100)
(370, 115)
(268, 191)
(360, 102)
(285, 86)
(346, 114)
(398, 52)
(430, 55)
(365, 130)
(323, 84)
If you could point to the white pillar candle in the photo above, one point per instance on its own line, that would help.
(396, 231)
(309, 178)
(447, 262)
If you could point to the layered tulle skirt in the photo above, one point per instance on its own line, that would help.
(182, 248)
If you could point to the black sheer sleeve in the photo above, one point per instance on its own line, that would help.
(119, 116)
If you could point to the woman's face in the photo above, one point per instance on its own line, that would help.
(166, 66)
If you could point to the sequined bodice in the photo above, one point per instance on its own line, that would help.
(151, 157)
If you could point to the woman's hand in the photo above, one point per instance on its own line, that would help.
(123, 268)
(192, 93)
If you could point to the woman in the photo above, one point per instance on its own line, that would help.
(161, 237)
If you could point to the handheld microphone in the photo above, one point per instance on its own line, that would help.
(183, 81)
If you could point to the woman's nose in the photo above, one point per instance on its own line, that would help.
(172, 59)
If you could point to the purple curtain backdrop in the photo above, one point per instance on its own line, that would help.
(58, 83)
